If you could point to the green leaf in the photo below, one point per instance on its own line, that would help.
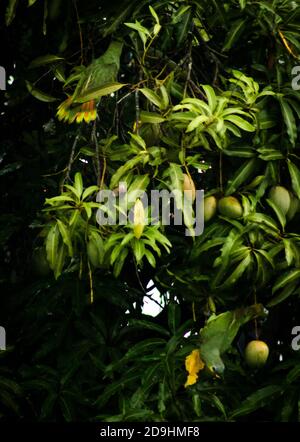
(268, 154)
(138, 248)
(152, 96)
(153, 13)
(52, 242)
(289, 251)
(242, 174)
(147, 325)
(147, 346)
(120, 262)
(44, 60)
(65, 236)
(98, 92)
(40, 95)
(261, 218)
(257, 400)
(211, 97)
(293, 375)
(238, 272)
(130, 164)
(240, 122)
(196, 122)
(56, 199)
(65, 409)
(183, 26)
(234, 33)
(174, 316)
(295, 177)
(78, 184)
(140, 28)
(285, 279)
(241, 152)
(150, 257)
(116, 387)
(151, 117)
(288, 290)
(10, 11)
(89, 191)
(60, 260)
(289, 120)
(279, 213)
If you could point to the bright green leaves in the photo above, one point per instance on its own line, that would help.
(152, 97)
(72, 212)
(212, 120)
(120, 244)
(56, 250)
(143, 32)
(147, 36)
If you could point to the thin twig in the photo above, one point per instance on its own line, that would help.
(91, 284)
(95, 141)
(69, 166)
(80, 32)
(137, 112)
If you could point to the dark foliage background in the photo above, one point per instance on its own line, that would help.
(69, 359)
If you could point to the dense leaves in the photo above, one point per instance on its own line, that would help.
(197, 96)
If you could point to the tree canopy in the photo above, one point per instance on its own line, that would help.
(155, 96)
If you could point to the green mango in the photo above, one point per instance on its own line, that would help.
(230, 207)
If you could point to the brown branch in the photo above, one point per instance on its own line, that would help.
(80, 32)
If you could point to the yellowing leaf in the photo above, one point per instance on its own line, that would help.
(138, 219)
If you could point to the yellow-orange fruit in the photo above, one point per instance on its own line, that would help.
(230, 206)
(188, 184)
(281, 197)
(210, 208)
(256, 353)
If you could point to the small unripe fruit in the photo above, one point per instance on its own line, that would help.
(281, 197)
(188, 184)
(138, 219)
(256, 353)
(210, 208)
(230, 207)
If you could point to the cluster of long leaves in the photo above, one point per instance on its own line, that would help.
(207, 109)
